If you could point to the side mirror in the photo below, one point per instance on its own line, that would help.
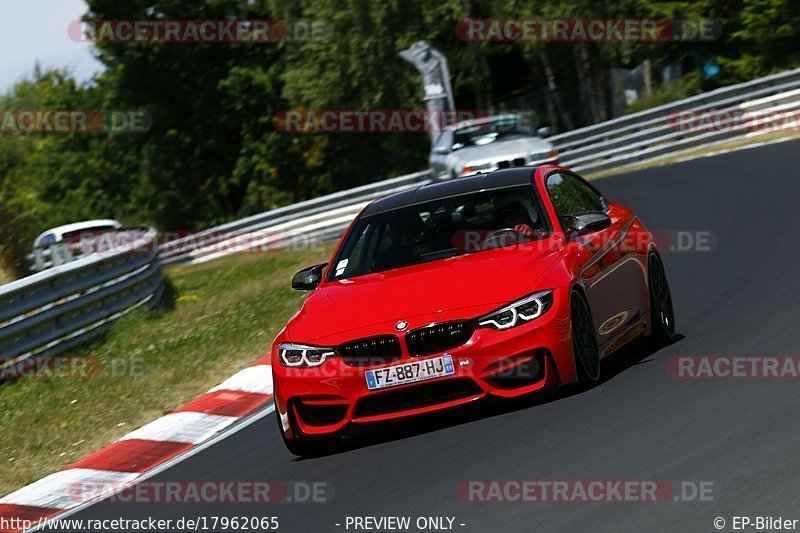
(586, 222)
(308, 278)
(440, 150)
(543, 132)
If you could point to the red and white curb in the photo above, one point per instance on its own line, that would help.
(140, 452)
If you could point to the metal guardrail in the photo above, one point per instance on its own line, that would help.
(59, 308)
(303, 222)
(616, 143)
(730, 112)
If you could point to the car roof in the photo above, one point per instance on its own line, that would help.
(59, 231)
(498, 179)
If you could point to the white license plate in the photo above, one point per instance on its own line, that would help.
(391, 376)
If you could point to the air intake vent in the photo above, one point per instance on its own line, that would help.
(423, 395)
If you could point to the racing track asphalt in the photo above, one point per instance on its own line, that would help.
(640, 424)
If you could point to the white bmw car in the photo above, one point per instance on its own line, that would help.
(488, 144)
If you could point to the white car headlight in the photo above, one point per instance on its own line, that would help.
(519, 312)
(302, 356)
(469, 169)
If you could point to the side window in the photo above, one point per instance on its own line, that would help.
(571, 195)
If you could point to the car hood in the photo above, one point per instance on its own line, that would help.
(509, 149)
(461, 287)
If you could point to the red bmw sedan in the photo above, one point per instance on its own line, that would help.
(501, 284)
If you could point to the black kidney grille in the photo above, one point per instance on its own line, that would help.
(439, 337)
(370, 351)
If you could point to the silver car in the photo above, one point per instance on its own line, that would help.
(487, 144)
(63, 244)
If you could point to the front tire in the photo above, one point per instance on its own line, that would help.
(584, 341)
(662, 315)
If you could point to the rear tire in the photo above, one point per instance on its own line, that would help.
(584, 341)
(662, 315)
(309, 447)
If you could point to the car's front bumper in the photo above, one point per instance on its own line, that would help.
(506, 364)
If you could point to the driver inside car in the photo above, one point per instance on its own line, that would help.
(514, 216)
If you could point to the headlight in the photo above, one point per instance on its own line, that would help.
(299, 355)
(519, 312)
(474, 168)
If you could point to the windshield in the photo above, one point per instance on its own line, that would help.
(482, 134)
(439, 229)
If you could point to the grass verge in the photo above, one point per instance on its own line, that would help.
(220, 317)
